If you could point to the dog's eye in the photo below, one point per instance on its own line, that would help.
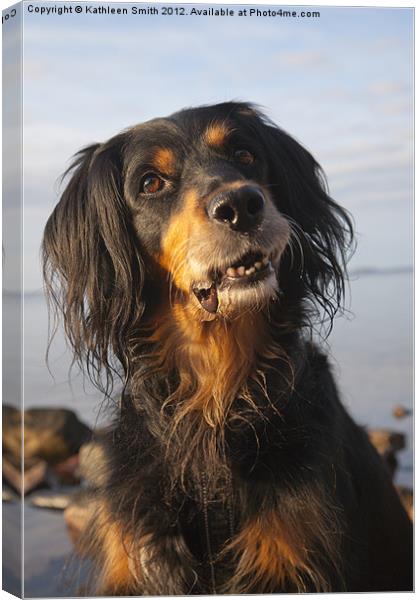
(244, 157)
(151, 183)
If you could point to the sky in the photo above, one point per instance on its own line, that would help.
(342, 84)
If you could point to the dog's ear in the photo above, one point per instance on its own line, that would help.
(92, 266)
(322, 230)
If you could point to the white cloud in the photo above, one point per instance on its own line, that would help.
(387, 87)
(303, 59)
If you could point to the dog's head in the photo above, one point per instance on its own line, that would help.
(213, 209)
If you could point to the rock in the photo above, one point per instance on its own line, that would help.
(32, 478)
(388, 443)
(12, 475)
(67, 471)
(386, 440)
(400, 411)
(78, 515)
(8, 495)
(93, 463)
(12, 434)
(35, 477)
(50, 434)
(51, 501)
(406, 495)
(53, 434)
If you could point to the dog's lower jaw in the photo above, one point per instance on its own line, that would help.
(231, 302)
(234, 302)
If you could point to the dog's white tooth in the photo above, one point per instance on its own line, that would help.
(203, 285)
(258, 265)
(250, 271)
(231, 272)
(240, 271)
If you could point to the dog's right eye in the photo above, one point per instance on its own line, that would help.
(244, 157)
(151, 183)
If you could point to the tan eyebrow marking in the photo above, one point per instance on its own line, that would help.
(164, 160)
(216, 134)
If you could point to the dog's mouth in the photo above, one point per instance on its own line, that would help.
(245, 272)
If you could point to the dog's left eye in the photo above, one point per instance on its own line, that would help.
(244, 157)
(151, 183)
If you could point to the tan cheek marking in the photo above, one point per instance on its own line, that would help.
(164, 160)
(173, 257)
(216, 134)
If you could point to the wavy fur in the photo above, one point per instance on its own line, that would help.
(233, 465)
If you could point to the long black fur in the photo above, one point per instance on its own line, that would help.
(287, 447)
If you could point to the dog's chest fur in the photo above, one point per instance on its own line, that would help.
(215, 505)
(193, 253)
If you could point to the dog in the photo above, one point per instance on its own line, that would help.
(192, 258)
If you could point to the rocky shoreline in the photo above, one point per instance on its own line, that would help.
(64, 462)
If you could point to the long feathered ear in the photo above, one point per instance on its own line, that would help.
(322, 230)
(92, 266)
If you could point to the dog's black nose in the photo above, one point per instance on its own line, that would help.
(241, 209)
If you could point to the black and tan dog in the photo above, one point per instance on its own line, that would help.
(192, 255)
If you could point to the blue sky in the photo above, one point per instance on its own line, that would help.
(341, 84)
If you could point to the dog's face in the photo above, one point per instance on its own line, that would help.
(198, 188)
(211, 210)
